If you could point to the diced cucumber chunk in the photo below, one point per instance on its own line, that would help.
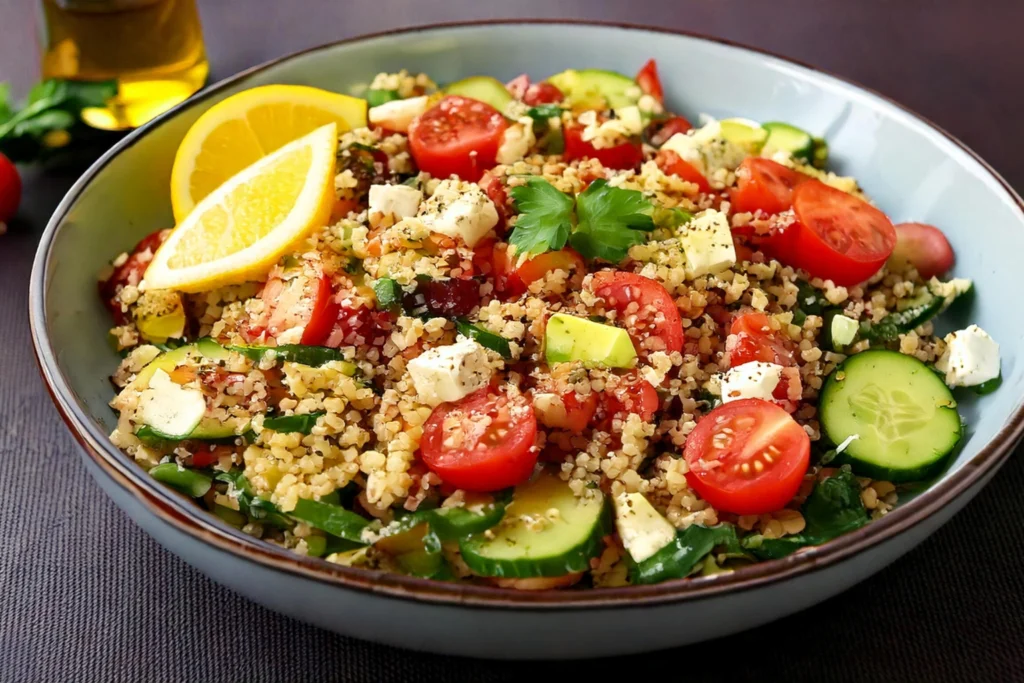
(596, 89)
(838, 331)
(788, 138)
(642, 528)
(745, 133)
(568, 338)
(901, 416)
(484, 88)
(531, 541)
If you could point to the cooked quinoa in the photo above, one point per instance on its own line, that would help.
(380, 375)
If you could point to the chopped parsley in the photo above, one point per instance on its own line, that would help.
(601, 223)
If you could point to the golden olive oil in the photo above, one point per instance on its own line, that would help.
(152, 48)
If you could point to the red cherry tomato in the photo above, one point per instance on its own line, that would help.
(923, 246)
(518, 85)
(659, 132)
(649, 82)
(635, 396)
(355, 324)
(496, 192)
(836, 236)
(514, 281)
(457, 136)
(576, 414)
(484, 442)
(747, 457)
(655, 324)
(625, 155)
(751, 338)
(10, 189)
(130, 272)
(672, 164)
(765, 185)
(542, 93)
(446, 298)
(298, 301)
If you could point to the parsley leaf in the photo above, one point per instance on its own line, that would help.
(611, 220)
(545, 217)
(543, 112)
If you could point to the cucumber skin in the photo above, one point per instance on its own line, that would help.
(574, 560)
(486, 89)
(863, 468)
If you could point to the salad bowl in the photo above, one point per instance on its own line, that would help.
(910, 168)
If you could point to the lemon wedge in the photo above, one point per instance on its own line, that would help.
(235, 133)
(244, 226)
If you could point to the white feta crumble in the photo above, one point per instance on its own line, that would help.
(642, 528)
(751, 380)
(971, 358)
(707, 244)
(396, 115)
(401, 201)
(459, 209)
(609, 133)
(169, 408)
(707, 150)
(516, 141)
(448, 373)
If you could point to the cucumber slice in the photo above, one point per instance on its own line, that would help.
(559, 546)
(743, 132)
(484, 88)
(901, 417)
(838, 331)
(783, 136)
(334, 519)
(208, 430)
(596, 89)
(167, 361)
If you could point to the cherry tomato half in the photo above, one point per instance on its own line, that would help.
(765, 185)
(659, 132)
(672, 164)
(625, 155)
(130, 272)
(575, 412)
(484, 442)
(649, 82)
(751, 338)
(533, 94)
(747, 457)
(10, 189)
(457, 136)
(634, 396)
(514, 281)
(923, 246)
(656, 324)
(298, 301)
(836, 236)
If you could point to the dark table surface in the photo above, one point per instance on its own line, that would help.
(86, 596)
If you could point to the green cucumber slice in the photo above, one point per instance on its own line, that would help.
(596, 89)
(838, 331)
(560, 546)
(788, 138)
(169, 360)
(189, 482)
(484, 88)
(900, 415)
(334, 519)
(313, 356)
(209, 430)
(485, 338)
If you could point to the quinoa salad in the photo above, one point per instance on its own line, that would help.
(550, 334)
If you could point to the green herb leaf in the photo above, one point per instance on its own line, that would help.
(485, 338)
(543, 112)
(187, 481)
(545, 217)
(677, 559)
(259, 509)
(989, 386)
(377, 97)
(333, 519)
(293, 424)
(893, 325)
(610, 221)
(389, 293)
(670, 218)
(6, 108)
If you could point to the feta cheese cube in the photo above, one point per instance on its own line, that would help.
(401, 201)
(642, 528)
(459, 209)
(971, 358)
(396, 115)
(169, 408)
(707, 150)
(751, 380)
(707, 244)
(448, 373)
(610, 132)
(516, 142)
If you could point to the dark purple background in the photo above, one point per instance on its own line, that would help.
(85, 595)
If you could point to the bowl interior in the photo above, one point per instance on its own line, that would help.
(911, 170)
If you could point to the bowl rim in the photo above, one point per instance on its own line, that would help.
(188, 518)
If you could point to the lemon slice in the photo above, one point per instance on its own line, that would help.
(247, 126)
(244, 226)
